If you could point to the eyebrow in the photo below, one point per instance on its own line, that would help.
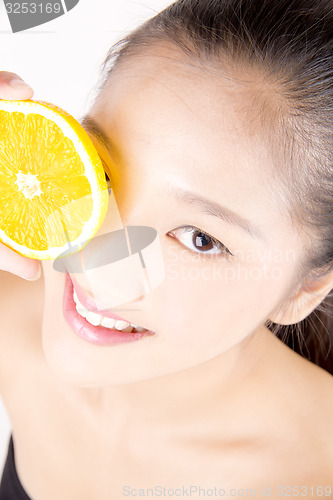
(204, 205)
(90, 125)
(212, 208)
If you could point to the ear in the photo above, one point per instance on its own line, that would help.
(309, 295)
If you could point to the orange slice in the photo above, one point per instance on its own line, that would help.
(53, 191)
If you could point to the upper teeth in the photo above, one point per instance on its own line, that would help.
(96, 319)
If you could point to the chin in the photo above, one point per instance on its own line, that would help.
(74, 362)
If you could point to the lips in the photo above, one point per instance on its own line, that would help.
(94, 306)
(97, 335)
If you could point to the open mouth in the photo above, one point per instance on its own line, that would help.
(98, 326)
(96, 319)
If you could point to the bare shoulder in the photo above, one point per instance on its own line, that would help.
(305, 377)
(305, 383)
(304, 395)
(316, 412)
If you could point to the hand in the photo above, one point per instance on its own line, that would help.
(13, 87)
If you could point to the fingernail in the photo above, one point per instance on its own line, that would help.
(36, 276)
(19, 84)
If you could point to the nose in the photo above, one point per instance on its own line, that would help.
(117, 267)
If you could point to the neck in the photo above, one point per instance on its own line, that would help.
(167, 401)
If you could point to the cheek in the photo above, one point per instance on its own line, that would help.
(219, 301)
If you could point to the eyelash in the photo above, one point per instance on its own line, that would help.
(106, 175)
(187, 229)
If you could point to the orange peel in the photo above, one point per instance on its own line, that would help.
(53, 190)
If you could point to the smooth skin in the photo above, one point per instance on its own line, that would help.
(213, 398)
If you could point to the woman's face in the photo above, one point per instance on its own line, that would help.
(188, 154)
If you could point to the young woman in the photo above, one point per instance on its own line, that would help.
(214, 123)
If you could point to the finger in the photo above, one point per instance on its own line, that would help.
(13, 262)
(13, 87)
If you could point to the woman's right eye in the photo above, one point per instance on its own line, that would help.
(104, 166)
(106, 175)
(108, 183)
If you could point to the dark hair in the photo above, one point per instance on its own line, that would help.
(291, 43)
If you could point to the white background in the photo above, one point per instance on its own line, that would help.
(61, 60)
